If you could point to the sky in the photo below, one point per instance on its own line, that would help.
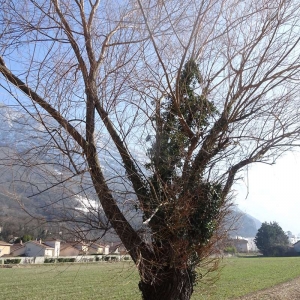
(273, 192)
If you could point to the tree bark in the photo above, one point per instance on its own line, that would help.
(173, 284)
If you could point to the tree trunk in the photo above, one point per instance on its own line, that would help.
(174, 284)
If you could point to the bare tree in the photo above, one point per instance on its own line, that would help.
(179, 95)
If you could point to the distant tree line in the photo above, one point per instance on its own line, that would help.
(25, 229)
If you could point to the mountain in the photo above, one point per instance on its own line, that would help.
(31, 170)
(245, 225)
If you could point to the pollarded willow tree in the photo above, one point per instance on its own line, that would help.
(185, 94)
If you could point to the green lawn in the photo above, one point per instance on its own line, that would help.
(75, 281)
(239, 276)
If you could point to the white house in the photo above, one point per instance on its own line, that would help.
(95, 248)
(240, 244)
(54, 244)
(37, 248)
(251, 244)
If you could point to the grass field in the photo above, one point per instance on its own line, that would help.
(239, 276)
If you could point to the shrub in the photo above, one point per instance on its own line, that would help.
(49, 260)
(113, 258)
(63, 260)
(291, 252)
(230, 250)
(14, 261)
(66, 259)
(280, 250)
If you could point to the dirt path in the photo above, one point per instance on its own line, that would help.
(286, 291)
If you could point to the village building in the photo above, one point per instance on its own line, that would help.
(241, 244)
(4, 248)
(54, 243)
(296, 247)
(57, 248)
(251, 244)
(17, 249)
(37, 248)
(81, 246)
(95, 248)
(67, 249)
(118, 249)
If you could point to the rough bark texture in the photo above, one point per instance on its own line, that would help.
(173, 284)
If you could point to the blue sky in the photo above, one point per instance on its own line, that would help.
(273, 192)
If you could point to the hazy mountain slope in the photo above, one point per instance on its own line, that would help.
(26, 169)
(246, 225)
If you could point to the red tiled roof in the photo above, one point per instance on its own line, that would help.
(40, 244)
(65, 246)
(15, 247)
(77, 244)
(2, 243)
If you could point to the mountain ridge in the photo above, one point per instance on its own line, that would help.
(15, 190)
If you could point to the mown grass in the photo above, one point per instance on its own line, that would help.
(239, 276)
(70, 281)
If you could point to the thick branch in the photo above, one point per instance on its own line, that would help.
(231, 175)
(129, 237)
(138, 184)
(209, 148)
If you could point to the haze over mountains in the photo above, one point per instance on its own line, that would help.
(30, 171)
